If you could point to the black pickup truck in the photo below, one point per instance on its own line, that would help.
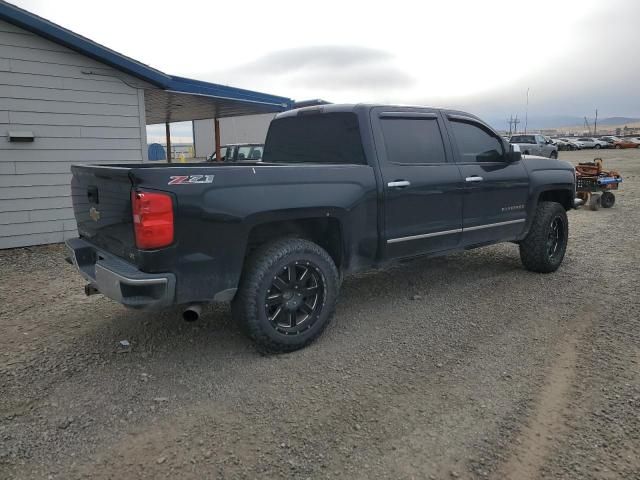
(341, 188)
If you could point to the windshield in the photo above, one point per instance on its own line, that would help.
(315, 138)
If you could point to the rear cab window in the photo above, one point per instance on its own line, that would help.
(331, 138)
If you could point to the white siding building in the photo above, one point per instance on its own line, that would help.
(75, 116)
(82, 103)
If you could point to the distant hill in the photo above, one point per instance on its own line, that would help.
(615, 121)
(563, 121)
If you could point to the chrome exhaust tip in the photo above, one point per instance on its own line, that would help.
(191, 313)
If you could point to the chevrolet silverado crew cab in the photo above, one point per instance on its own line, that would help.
(341, 188)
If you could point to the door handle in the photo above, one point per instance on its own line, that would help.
(474, 178)
(399, 184)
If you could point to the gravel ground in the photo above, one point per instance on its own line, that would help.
(460, 367)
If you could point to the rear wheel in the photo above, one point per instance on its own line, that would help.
(544, 247)
(287, 294)
(607, 200)
(553, 155)
(619, 147)
(597, 146)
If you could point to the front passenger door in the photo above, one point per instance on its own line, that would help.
(496, 191)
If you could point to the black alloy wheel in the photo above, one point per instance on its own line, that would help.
(287, 294)
(555, 238)
(295, 298)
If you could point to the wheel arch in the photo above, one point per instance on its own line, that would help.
(564, 195)
(324, 230)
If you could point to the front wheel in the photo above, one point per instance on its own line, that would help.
(598, 146)
(287, 294)
(544, 247)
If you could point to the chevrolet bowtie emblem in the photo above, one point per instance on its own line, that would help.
(94, 214)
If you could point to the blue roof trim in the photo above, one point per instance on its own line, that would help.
(198, 87)
(62, 36)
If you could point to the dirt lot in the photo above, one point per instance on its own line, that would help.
(459, 367)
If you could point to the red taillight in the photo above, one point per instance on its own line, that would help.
(152, 219)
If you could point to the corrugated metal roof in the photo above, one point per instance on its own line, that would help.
(246, 101)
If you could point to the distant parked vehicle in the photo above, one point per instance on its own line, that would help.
(239, 152)
(564, 145)
(573, 143)
(611, 140)
(626, 143)
(535, 145)
(633, 139)
(590, 142)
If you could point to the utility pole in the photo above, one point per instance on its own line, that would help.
(595, 124)
(515, 124)
(526, 113)
(510, 122)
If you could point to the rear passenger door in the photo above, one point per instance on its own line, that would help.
(496, 191)
(422, 185)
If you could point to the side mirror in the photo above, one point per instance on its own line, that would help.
(514, 154)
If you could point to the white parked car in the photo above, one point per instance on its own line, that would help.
(572, 142)
(590, 142)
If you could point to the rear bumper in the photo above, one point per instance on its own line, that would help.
(119, 280)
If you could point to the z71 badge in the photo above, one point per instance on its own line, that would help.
(190, 179)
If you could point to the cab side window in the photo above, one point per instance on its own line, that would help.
(475, 143)
(413, 141)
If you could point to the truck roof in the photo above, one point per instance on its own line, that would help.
(356, 107)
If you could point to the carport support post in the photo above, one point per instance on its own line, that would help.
(216, 128)
(168, 135)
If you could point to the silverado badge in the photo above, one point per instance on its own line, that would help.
(94, 214)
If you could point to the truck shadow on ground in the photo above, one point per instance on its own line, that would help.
(216, 335)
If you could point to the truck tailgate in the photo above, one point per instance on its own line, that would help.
(101, 197)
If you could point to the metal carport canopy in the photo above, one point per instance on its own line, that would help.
(168, 98)
(182, 99)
